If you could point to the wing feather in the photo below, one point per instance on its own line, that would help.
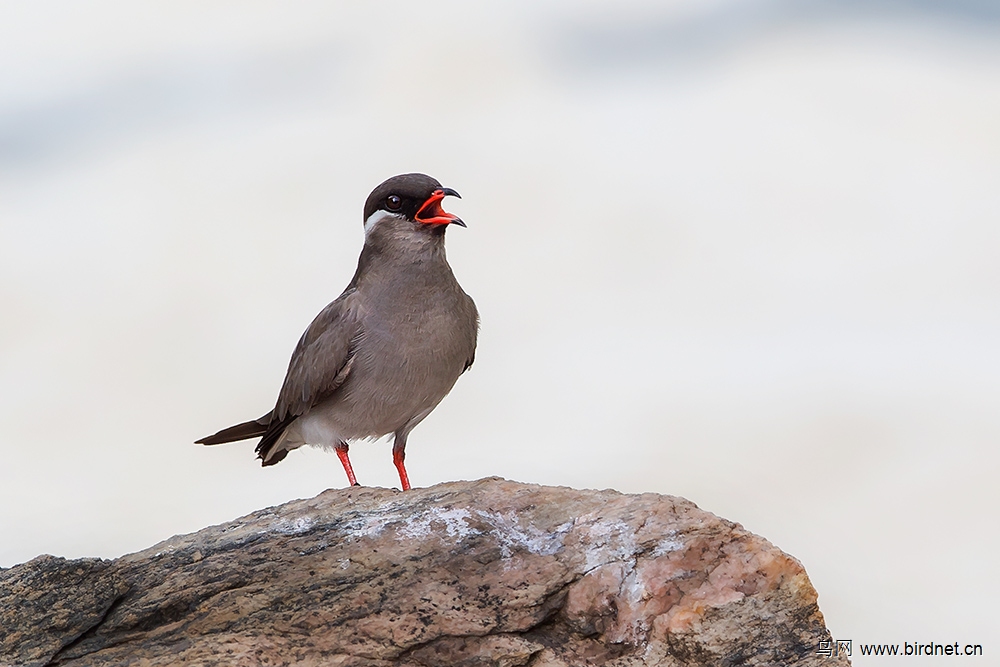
(322, 359)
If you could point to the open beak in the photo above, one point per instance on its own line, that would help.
(431, 212)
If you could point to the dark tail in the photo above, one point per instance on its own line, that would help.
(244, 431)
(271, 436)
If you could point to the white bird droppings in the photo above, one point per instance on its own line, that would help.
(295, 526)
(455, 522)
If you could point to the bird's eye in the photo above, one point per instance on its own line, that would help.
(393, 202)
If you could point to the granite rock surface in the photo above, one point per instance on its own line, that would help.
(489, 572)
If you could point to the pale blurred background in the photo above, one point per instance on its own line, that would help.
(745, 252)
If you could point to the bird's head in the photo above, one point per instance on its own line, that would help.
(415, 198)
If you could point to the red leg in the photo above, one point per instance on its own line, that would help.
(342, 453)
(397, 457)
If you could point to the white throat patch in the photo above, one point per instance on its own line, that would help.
(375, 218)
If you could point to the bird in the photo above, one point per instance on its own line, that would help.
(379, 358)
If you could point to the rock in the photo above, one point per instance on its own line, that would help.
(467, 573)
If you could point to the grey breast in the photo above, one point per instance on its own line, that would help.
(416, 336)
